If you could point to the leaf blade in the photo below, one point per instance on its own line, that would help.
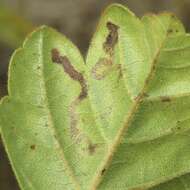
(74, 117)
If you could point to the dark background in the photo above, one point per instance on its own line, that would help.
(77, 19)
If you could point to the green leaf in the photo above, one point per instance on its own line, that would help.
(13, 28)
(182, 182)
(119, 120)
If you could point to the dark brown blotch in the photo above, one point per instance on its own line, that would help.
(33, 147)
(55, 55)
(170, 31)
(165, 99)
(103, 171)
(111, 39)
(92, 148)
(101, 68)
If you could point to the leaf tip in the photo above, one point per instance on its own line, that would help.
(118, 7)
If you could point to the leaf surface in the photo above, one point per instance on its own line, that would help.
(119, 120)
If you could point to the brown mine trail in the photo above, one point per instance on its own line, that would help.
(165, 99)
(105, 64)
(92, 148)
(101, 68)
(111, 39)
(76, 76)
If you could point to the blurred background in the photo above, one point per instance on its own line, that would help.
(77, 19)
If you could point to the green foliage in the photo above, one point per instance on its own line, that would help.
(117, 121)
(13, 28)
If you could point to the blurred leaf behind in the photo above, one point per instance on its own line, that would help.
(13, 28)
